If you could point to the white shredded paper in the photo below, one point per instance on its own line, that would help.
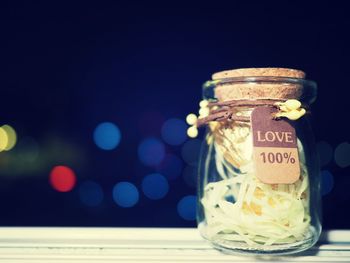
(239, 207)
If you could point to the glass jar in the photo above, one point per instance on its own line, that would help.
(236, 211)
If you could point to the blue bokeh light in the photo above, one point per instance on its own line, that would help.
(327, 182)
(125, 194)
(174, 131)
(107, 136)
(342, 155)
(155, 186)
(151, 151)
(187, 207)
(171, 166)
(190, 151)
(90, 193)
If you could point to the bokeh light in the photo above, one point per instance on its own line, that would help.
(171, 166)
(174, 131)
(28, 150)
(187, 207)
(327, 182)
(3, 139)
(190, 151)
(342, 155)
(151, 151)
(11, 137)
(125, 194)
(155, 186)
(325, 152)
(62, 178)
(190, 174)
(107, 136)
(91, 193)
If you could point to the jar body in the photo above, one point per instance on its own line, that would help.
(237, 212)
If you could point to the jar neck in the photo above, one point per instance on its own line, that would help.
(240, 110)
(260, 88)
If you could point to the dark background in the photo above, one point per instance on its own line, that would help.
(65, 68)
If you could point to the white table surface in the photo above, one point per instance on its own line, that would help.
(141, 245)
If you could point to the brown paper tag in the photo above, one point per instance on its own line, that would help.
(275, 150)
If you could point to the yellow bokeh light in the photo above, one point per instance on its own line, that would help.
(3, 139)
(11, 137)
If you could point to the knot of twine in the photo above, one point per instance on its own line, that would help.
(228, 111)
(221, 111)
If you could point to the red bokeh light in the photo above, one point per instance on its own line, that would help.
(62, 178)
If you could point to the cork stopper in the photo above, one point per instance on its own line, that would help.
(258, 89)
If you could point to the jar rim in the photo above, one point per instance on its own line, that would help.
(309, 86)
(279, 79)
